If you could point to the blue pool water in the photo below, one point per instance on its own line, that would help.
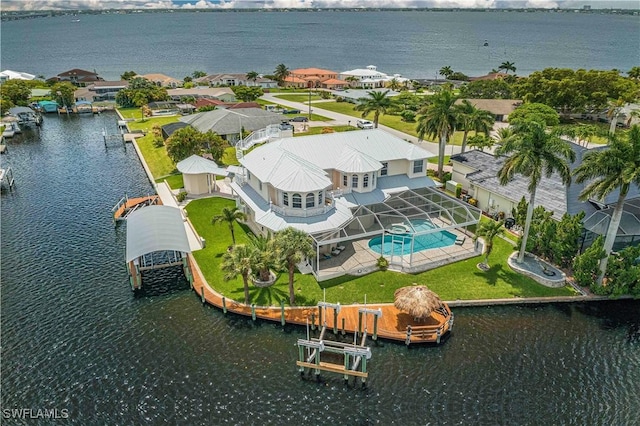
(399, 244)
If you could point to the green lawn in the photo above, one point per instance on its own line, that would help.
(147, 124)
(299, 97)
(318, 130)
(156, 158)
(461, 280)
(135, 113)
(174, 181)
(314, 117)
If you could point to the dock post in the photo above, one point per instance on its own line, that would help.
(408, 339)
(451, 323)
(224, 305)
(319, 316)
(346, 368)
(359, 323)
(343, 332)
(282, 320)
(301, 358)
(364, 370)
(438, 334)
(375, 327)
(317, 365)
(202, 294)
(253, 311)
(313, 321)
(335, 321)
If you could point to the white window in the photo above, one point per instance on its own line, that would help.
(345, 181)
(248, 175)
(385, 169)
(296, 200)
(311, 200)
(320, 199)
(354, 181)
(365, 181)
(260, 185)
(418, 166)
(285, 198)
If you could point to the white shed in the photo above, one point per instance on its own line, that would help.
(199, 174)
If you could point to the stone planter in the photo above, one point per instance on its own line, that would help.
(262, 284)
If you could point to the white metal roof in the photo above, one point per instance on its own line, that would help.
(155, 228)
(196, 165)
(353, 161)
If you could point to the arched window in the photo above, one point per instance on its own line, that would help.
(285, 198)
(365, 180)
(296, 201)
(311, 200)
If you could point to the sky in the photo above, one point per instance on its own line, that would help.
(26, 5)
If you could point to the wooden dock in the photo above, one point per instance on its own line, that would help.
(393, 324)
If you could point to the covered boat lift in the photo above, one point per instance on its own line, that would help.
(156, 239)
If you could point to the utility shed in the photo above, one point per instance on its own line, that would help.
(199, 174)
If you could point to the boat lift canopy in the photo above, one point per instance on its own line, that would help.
(155, 228)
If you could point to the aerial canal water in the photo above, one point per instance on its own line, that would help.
(75, 338)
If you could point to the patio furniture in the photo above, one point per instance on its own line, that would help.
(460, 240)
(335, 252)
(341, 248)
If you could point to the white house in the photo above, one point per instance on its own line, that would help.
(15, 75)
(371, 78)
(343, 187)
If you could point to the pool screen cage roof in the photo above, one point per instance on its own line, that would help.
(598, 222)
(407, 208)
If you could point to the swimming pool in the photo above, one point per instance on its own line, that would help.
(399, 244)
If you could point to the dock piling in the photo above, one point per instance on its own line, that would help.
(224, 305)
(253, 311)
(282, 317)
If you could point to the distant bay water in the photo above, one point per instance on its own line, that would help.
(413, 43)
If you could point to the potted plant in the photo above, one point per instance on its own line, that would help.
(382, 263)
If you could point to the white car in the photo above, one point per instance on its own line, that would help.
(364, 124)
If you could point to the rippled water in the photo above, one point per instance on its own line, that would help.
(74, 337)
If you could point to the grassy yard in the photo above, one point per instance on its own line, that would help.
(147, 124)
(314, 117)
(174, 181)
(461, 280)
(318, 130)
(156, 158)
(299, 97)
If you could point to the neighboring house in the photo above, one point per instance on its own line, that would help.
(490, 76)
(169, 129)
(316, 77)
(500, 108)
(371, 78)
(477, 172)
(229, 123)
(354, 95)
(334, 84)
(15, 75)
(78, 77)
(164, 108)
(342, 187)
(100, 91)
(297, 82)
(162, 80)
(40, 93)
(237, 80)
(223, 94)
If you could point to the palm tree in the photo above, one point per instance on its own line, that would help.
(376, 102)
(507, 66)
(472, 118)
(352, 79)
(445, 71)
(252, 76)
(502, 135)
(438, 119)
(281, 73)
(265, 255)
(633, 114)
(489, 229)
(613, 113)
(229, 215)
(534, 151)
(634, 73)
(394, 85)
(293, 245)
(607, 170)
(481, 142)
(238, 262)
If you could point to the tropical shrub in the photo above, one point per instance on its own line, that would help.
(586, 266)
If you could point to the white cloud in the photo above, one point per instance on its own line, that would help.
(29, 5)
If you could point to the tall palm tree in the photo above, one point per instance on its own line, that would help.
(265, 255)
(471, 118)
(351, 80)
(394, 84)
(239, 262)
(489, 229)
(438, 119)
(502, 135)
(293, 246)
(507, 66)
(614, 108)
(607, 170)
(445, 71)
(252, 76)
(376, 102)
(533, 151)
(229, 215)
(281, 73)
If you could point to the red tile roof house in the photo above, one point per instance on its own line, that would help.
(315, 77)
(77, 77)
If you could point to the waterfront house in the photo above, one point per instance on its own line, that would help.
(371, 78)
(15, 75)
(477, 172)
(77, 77)
(223, 94)
(354, 95)
(500, 108)
(490, 76)
(345, 188)
(100, 91)
(315, 77)
(296, 82)
(229, 123)
(162, 80)
(236, 80)
(164, 108)
(169, 129)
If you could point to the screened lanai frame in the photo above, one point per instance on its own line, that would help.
(401, 208)
(628, 230)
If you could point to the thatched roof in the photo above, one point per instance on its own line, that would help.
(417, 300)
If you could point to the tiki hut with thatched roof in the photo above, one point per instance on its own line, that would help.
(419, 302)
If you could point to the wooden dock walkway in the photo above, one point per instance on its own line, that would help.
(131, 203)
(392, 325)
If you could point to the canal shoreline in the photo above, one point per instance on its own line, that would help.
(208, 294)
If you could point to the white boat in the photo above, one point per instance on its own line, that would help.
(25, 116)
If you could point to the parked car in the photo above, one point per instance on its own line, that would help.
(299, 119)
(364, 124)
(286, 126)
(291, 111)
